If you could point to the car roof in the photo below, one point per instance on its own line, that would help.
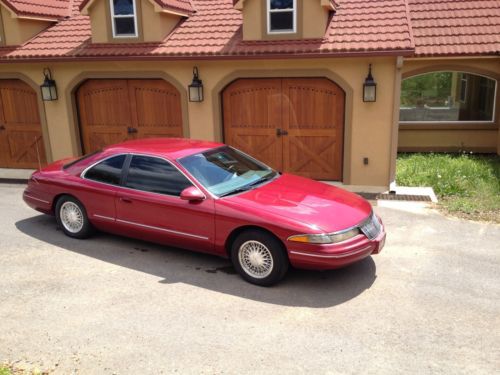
(171, 148)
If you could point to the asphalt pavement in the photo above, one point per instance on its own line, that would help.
(428, 304)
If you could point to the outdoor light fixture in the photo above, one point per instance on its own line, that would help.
(195, 88)
(369, 87)
(48, 87)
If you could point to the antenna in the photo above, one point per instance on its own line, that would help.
(38, 154)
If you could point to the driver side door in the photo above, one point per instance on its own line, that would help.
(148, 206)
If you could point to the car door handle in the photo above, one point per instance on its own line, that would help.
(131, 130)
(280, 132)
(125, 200)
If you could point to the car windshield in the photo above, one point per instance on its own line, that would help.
(224, 171)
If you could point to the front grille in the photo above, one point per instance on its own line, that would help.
(371, 227)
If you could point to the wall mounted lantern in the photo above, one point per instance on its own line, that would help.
(369, 87)
(48, 87)
(195, 88)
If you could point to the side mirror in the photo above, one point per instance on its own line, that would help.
(192, 194)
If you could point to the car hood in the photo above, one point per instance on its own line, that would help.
(322, 207)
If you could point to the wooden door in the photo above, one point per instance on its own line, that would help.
(115, 110)
(252, 114)
(21, 142)
(295, 124)
(313, 116)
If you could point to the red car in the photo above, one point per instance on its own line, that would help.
(208, 197)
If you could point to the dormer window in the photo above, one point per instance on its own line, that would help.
(281, 16)
(124, 18)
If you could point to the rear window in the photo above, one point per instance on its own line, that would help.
(108, 171)
(84, 157)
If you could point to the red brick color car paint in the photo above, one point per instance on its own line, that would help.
(286, 206)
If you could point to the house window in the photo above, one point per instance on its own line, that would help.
(281, 16)
(123, 18)
(448, 97)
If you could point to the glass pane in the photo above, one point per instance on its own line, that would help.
(224, 170)
(282, 21)
(281, 4)
(155, 175)
(124, 26)
(108, 171)
(447, 96)
(123, 7)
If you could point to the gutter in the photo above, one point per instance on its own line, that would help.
(275, 56)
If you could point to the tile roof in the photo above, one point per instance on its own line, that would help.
(180, 6)
(214, 30)
(39, 8)
(455, 27)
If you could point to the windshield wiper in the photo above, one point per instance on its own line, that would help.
(251, 185)
(238, 190)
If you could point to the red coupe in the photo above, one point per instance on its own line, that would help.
(208, 197)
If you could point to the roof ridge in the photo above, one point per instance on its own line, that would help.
(410, 25)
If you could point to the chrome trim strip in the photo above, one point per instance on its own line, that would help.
(162, 229)
(36, 199)
(345, 255)
(103, 217)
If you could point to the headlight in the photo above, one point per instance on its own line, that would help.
(326, 238)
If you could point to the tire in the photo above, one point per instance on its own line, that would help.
(72, 217)
(259, 257)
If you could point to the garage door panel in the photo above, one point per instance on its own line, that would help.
(295, 123)
(99, 138)
(114, 110)
(314, 156)
(262, 147)
(21, 132)
(156, 104)
(23, 146)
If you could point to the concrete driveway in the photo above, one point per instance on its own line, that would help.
(429, 303)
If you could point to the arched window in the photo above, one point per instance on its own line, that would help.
(448, 97)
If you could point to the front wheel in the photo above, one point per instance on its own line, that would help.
(259, 257)
(72, 217)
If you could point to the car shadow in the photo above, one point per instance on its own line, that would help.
(299, 288)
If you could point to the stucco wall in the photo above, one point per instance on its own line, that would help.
(312, 20)
(477, 137)
(152, 26)
(17, 30)
(368, 125)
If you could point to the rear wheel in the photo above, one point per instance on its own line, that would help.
(259, 257)
(72, 217)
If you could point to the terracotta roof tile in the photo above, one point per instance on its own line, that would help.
(214, 28)
(455, 27)
(40, 8)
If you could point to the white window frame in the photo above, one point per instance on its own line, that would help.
(269, 11)
(114, 16)
(494, 117)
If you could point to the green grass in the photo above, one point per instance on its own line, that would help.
(4, 370)
(467, 185)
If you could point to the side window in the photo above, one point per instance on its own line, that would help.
(124, 18)
(155, 175)
(108, 171)
(281, 16)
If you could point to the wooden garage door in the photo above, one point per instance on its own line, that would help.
(114, 110)
(295, 125)
(20, 129)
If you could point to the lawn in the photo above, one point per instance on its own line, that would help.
(467, 185)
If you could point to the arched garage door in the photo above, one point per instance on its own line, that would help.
(295, 125)
(20, 129)
(114, 110)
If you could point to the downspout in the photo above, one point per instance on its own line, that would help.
(395, 124)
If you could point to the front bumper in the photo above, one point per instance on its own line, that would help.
(331, 256)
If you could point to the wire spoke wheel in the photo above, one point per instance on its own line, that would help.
(256, 259)
(71, 217)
